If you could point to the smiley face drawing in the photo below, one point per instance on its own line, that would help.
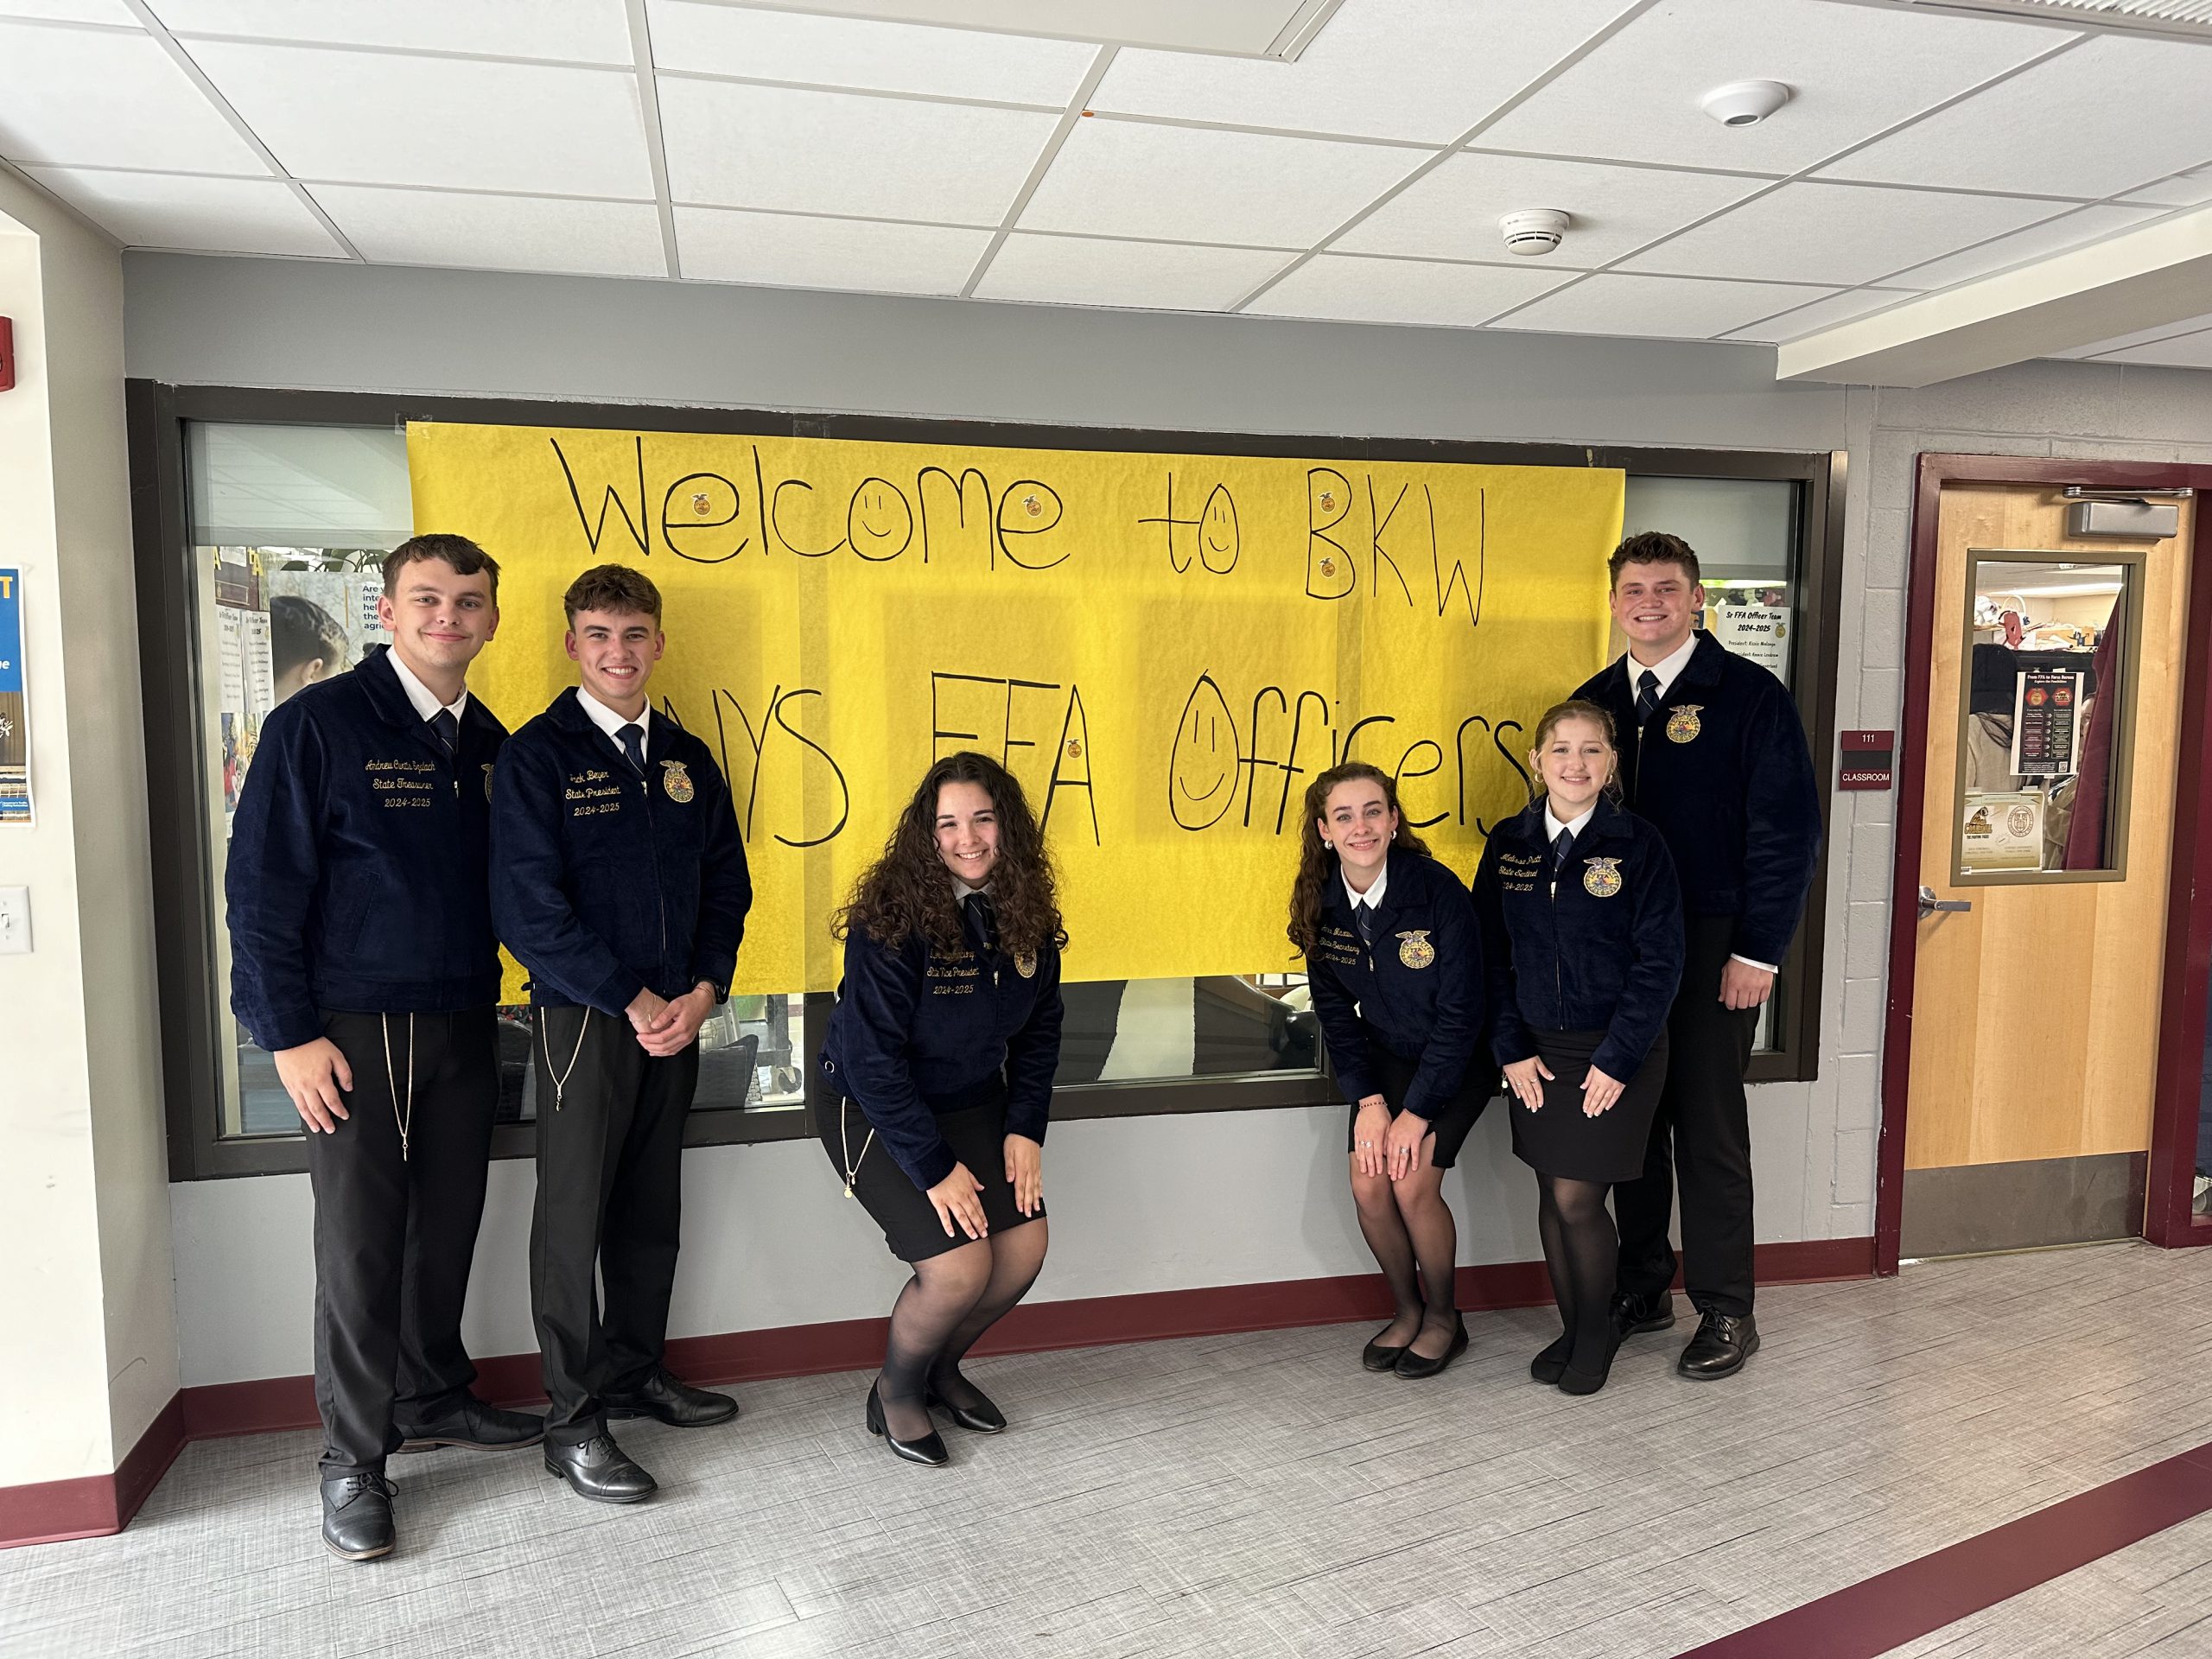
(879, 522)
(1220, 539)
(1203, 762)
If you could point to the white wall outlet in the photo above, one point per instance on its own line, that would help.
(15, 920)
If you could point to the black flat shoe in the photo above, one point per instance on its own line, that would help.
(1414, 1365)
(983, 1419)
(1575, 1380)
(1634, 1315)
(1378, 1355)
(930, 1449)
(596, 1469)
(1723, 1342)
(1551, 1364)
(357, 1516)
(475, 1426)
(676, 1404)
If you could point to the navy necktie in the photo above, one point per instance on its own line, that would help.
(1561, 845)
(633, 745)
(1647, 695)
(981, 923)
(1362, 916)
(448, 729)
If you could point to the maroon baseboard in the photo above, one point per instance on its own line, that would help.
(93, 1506)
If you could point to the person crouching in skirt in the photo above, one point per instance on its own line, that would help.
(1582, 929)
(936, 1080)
(1394, 962)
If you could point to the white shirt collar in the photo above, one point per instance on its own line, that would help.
(1553, 826)
(962, 892)
(612, 722)
(1667, 668)
(424, 700)
(1373, 896)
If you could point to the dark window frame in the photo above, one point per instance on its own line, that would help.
(186, 911)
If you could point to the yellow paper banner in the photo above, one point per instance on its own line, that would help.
(1164, 648)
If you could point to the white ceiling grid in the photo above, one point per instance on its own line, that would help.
(718, 141)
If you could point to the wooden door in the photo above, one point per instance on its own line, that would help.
(2035, 1002)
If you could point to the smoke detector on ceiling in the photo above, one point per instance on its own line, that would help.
(1533, 230)
(1745, 102)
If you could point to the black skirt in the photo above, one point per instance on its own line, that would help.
(1560, 1141)
(911, 1228)
(1452, 1124)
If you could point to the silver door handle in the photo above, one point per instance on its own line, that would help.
(1929, 904)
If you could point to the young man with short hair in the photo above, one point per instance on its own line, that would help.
(305, 644)
(363, 959)
(1712, 752)
(621, 886)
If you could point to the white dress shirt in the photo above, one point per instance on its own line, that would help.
(1373, 897)
(424, 700)
(611, 721)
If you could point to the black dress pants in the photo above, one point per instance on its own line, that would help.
(395, 1229)
(610, 1151)
(1701, 1138)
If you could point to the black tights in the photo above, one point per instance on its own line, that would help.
(946, 1307)
(1581, 1253)
(1408, 1225)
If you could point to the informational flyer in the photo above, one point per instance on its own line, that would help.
(2003, 831)
(15, 719)
(1754, 619)
(2046, 722)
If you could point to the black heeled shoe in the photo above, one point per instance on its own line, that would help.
(985, 1418)
(930, 1449)
(1573, 1380)
(1417, 1365)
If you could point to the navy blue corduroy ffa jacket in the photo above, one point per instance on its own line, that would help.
(357, 876)
(1600, 950)
(1722, 769)
(1418, 993)
(604, 883)
(913, 1025)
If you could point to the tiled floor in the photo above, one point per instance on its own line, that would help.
(1254, 1495)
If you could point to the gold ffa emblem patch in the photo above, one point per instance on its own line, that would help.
(676, 781)
(1414, 950)
(1603, 879)
(1683, 725)
(1026, 965)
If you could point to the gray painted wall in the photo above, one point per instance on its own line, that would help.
(1148, 1203)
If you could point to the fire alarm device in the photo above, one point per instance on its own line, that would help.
(7, 355)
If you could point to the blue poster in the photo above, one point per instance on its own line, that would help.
(15, 728)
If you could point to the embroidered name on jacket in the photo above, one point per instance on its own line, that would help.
(401, 782)
(961, 972)
(591, 793)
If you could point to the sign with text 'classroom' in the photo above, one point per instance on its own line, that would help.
(1164, 648)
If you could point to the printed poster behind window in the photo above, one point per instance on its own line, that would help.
(2046, 706)
(15, 720)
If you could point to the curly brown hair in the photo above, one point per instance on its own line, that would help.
(908, 891)
(1317, 860)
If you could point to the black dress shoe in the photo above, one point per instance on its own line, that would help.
(982, 1418)
(597, 1469)
(930, 1449)
(477, 1427)
(1723, 1342)
(1633, 1315)
(678, 1404)
(357, 1516)
(1551, 1364)
(1416, 1365)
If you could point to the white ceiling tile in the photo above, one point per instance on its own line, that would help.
(1128, 178)
(1349, 288)
(1452, 213)
(2181, 351)
(72, 11)
(1681, 307)
(586, 31)
(2141, 337)
(380, 117)
(86, 98)
(1158, 275)
(1421, 69)
(2187, 190)
(1798, 320)
(846, 152)
(1838, 233)
(865, 55)
(1855, 70)
(2038, 242)
(437, 227)
(795, 250)
(163, 210)
(2092, 122)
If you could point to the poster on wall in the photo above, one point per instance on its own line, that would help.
(15, 722)
(1752, 620)
(2003, 831)
(244, 688)
(2046, 710)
